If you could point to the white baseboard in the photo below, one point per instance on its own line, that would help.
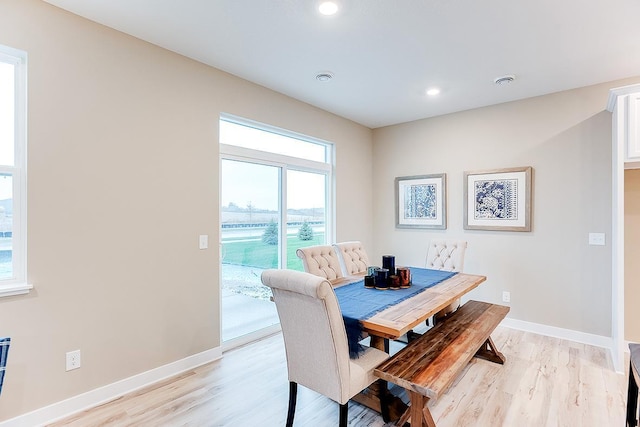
(566, 334)
(109, 392)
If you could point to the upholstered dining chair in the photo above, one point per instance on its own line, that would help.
(315, 340)
(446, 255)
(321, 260)
(353, 257)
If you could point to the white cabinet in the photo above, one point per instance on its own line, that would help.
(632, 149)
(624, 103)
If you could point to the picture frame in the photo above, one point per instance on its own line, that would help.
(498, 199)
(421, 201)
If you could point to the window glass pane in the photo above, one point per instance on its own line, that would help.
(257, 139)
(306, 213)
(7, 113)
(250, 235)
(6, 226)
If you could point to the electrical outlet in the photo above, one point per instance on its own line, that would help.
(597, 239)
(506, 296)
(73, 360)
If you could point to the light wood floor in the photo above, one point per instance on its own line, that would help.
(545, 382)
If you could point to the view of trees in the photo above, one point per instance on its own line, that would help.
(305, 232)
(270, 235)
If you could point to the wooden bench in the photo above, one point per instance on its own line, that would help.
(428, 365)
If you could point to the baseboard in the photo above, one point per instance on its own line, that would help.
(109, 392)
(566, 334)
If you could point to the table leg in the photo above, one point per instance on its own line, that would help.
(378, 392)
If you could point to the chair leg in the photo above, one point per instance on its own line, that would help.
(344, 414)
(293, 394)
(632, 400)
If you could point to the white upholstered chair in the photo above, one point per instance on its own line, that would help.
(315, 340)
(353, 257)
(321, 261)
(446, 255)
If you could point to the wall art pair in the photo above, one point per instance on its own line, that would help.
(498, 199)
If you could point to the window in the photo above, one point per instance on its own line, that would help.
(13, 96)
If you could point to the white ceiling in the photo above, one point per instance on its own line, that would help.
(384, 54)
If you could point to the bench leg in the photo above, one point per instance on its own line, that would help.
(418, 411)
(489, 352)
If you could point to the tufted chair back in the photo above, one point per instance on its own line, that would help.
(353, 257)
(321, 261)
(315, 340)
(446, 255)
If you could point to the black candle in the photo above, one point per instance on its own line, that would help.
(389, 262)
(382, 275)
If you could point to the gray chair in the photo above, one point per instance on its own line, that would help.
(315, 340)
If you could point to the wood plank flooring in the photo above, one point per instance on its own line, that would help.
(544, 382)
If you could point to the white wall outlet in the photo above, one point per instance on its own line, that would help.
(204, 241)
(596, 239)
(73, 360)
(506, 296)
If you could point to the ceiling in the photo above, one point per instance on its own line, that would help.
(384, 54)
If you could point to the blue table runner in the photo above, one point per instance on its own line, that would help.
(359, 303)
(4, 351)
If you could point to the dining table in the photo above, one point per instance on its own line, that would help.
(394, 320)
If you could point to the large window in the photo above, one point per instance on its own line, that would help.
(13, 97)
(275, 198)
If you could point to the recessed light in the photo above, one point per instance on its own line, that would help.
(433, 91)
(328, 8)
(324, 76)
(504, 80)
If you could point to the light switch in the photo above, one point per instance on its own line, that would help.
(204, 241)
(596, 239)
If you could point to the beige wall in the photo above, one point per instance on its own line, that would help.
(123, 141)
(632, 254)
(554, 276)
(123, 177)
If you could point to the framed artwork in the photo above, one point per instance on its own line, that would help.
(421, 201)
(498, 199)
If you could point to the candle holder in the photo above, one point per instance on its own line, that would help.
(405, 276)
(382, 277)
(389, 262)
(370, 281)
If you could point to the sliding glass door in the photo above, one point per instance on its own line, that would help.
(250, 218)
(272, 203)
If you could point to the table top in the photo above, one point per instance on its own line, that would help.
(397, 320)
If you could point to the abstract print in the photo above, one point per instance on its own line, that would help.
(420, 201)
(496, 199)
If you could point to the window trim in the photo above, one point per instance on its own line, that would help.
(18, 283)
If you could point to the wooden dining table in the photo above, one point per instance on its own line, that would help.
(398, 319)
